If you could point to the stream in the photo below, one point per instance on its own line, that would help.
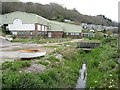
(82, 78)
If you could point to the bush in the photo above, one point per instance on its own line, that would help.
(95, 63)
(16, 65)
(6, 65)
(13, 36)
(30, 80)
(10, 79)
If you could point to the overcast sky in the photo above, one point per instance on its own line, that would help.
(109, 8)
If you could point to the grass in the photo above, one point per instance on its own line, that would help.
(41, 40)
(43, 63)
(53, 59)
(22, 40)
(51, 46)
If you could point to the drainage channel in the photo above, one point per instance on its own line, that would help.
(82, 78)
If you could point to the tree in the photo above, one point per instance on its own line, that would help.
(55, 10)
(98, 35)
(109, 32)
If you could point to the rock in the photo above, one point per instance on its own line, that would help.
(35, 68)
(59, 56)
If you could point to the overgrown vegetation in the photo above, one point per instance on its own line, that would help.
(59, 74)
(16, 65)
(102, 66)
(102, 69)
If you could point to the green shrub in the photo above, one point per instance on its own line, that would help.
(16, 65)
(95, 63)
(10, 79)
(30, 80)
(6, 65)
(13, 36)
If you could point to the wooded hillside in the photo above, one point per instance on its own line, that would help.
(57, 12)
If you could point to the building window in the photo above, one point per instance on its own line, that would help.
(67, 33)
(19, 33)
(14, 33)
(72, 33)
(22, 33)
(31, 33)
(76, 33)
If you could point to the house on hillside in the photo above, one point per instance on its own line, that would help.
(29, 25)
(88, 34)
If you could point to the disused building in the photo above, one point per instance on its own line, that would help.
(29, 25)
(24, 24)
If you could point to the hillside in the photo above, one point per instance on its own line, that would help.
(57, 12)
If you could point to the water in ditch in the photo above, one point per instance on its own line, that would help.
(82, 78)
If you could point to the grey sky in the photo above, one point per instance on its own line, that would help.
(109, 8)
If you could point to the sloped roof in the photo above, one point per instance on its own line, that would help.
(72, 28)
(27, 18)
(30, 18)
(67, 27)
(54, 26)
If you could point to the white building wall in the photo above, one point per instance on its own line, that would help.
(39, 27)
(18, 26)
(43, 28)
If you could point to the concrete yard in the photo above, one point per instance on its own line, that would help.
(10, 51)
